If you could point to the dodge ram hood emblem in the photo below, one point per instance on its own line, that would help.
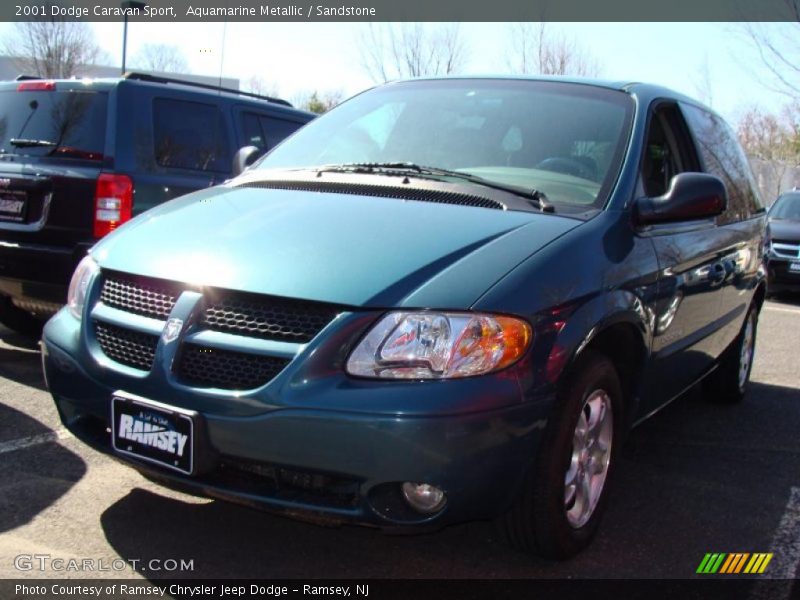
(172, 330)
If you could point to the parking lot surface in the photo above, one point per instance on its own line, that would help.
(696, 478)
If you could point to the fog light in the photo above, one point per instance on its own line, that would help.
(423, 497)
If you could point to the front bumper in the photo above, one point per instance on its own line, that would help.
(780, 278)
(332, 464)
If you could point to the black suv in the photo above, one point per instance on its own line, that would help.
(80, 157)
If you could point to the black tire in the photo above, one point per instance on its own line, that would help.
(19, 320)
(725, 385)
(538, 521)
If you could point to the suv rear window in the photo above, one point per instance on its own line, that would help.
(190, 135)
(57, 123)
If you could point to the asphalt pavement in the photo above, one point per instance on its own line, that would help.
(696, 478)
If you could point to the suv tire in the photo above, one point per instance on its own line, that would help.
(551, 517)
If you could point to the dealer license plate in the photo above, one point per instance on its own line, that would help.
(152, 431)
(12, 205)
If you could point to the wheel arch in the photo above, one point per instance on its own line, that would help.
(622, 334)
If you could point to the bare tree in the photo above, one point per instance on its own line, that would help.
(51, 48)
(161, 57)
(535, 48)
(778, 47)
(259, 85)
(773, 141)
(392, 51)
(702, 83)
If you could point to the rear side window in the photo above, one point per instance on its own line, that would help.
(55, 123)
(724, 157)
(190, 135)
(265, 132)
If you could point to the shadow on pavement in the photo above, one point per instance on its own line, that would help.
(31, 478)
(696, 478)
(787, 298)
(20, 359)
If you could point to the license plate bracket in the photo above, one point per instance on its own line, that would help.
(153, 432)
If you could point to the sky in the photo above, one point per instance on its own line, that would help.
(714, 62)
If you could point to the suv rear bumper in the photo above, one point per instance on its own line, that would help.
(52, 266)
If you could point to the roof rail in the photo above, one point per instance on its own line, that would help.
(23, 77)
(159, 79)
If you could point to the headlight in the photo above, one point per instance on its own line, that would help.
(432, 345)
(76, 296)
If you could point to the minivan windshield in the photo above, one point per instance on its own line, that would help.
(786, 207)
(67, 123)
(566, 140)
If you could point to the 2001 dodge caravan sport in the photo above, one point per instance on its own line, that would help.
(446, 299)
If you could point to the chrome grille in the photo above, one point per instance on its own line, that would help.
(786, 249)
(209, 367)
(131, 348)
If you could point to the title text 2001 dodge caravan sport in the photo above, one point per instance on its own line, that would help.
(444, 300)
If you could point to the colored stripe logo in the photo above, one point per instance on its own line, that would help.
(734, 563)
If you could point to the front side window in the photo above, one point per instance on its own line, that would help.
(566, 140)
(265, 132)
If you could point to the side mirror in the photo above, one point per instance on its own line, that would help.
(243, 158)
(691, 196)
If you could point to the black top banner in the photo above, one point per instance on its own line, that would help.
(401, 10)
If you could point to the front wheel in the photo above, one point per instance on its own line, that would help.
(559, 508)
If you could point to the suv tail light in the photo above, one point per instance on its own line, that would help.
(113, 202)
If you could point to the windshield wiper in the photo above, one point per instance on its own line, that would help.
(26, 143)
(403, 168)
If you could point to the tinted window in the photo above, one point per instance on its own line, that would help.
(251, 131)
(566, 140)
(277, 130)
(68, 123)
(265, 132)
(190, 135)
(723, 157)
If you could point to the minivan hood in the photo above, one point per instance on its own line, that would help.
(345, 249)
(781, 229)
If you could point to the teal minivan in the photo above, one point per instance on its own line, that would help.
(444, 300)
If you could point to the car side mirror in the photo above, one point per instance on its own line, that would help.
(243, 158)
(691, 196)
